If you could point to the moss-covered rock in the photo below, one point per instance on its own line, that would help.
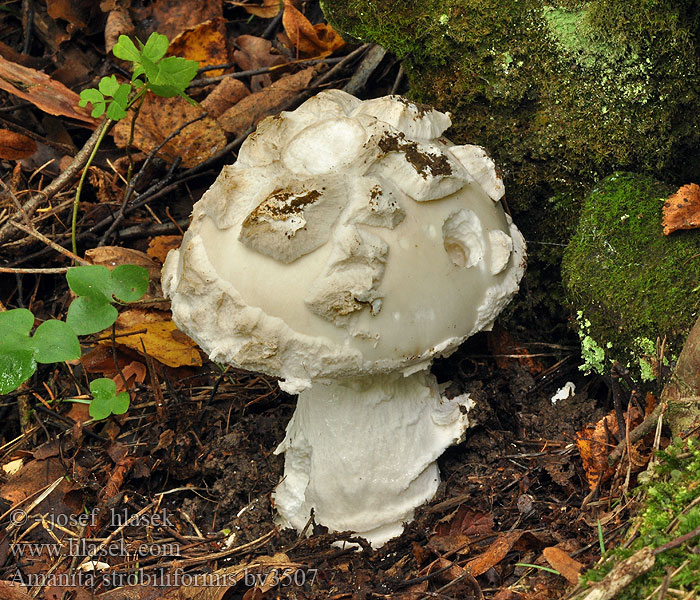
(562, 93)
(630, 283)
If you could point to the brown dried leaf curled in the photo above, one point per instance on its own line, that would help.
(227, 93)
(118, 23)
(562, 562)
(76, 12)
(204, 43)
(159, 117)
(265, 9)
(15, 146)
(682, 209)
(268, 101)
(45, 93)
(308, 39)
(172, 17)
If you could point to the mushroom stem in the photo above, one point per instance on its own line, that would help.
(361, 452)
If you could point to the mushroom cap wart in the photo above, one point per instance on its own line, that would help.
(348, 239)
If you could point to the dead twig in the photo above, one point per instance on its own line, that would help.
(137, 178)
(204, 81)
(7, 232)
(41, 271)
(60, 249)
(369, 64)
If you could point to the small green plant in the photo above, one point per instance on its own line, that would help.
(165, 76)
(96, 288)
(151, 70)
(106, 401)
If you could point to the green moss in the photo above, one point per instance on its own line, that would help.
(562, 93)
(669, 511)
(631, 283)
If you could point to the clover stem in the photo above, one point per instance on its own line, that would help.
(105, 125)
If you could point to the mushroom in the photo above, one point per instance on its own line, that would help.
(348, 246)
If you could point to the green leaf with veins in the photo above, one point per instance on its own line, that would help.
(121, 96)
(15, 368)
(17, 363)
(17, 320)
(155, 48)
(95, 98)
(126, 49)
(175, 74)
(115, 112)
(108, 85)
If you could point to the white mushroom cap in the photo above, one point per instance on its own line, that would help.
(348, 239)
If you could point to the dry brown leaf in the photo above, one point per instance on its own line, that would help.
(159, 117)
(45, 93)
(105, 185)
(76, 12)
(308, 39)
(452, 543)
(171, 17)
(134, 372)
(467, 521)
(562, 562)
(444, 570)
(159, 247)
(267, 9)
(80, 413)
(116, 477)
(118, 23)
(35, 475)
(227, 93)
(253, 52)
(413, 592)
(14, 591)
(205, 43)
(508, 352)
(15, 146)
(560, 468)
(162, 339)
(497, 551)
(269, 101)
(594, 445)
(682, 209)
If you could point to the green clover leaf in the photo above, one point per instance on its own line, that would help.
(54, 341)
(108, 85)
(91, 280)
(126, 50)
(129, 282)
(94, 97)
(155, 48)
(90, 314)
(105, 400)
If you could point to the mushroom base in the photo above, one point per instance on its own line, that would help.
(361, 452)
